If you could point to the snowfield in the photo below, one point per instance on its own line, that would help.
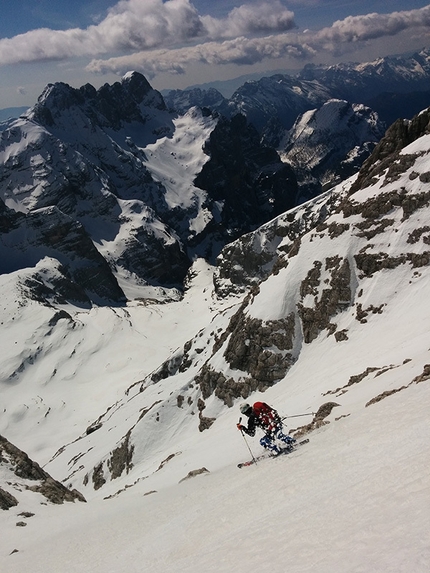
(356, 498)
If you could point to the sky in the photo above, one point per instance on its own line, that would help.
(177, 43)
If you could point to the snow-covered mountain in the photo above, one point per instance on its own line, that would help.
(329, 144)
(281, 97)
(361, 81)
(322, 309)
(114, 387)
(273, 103)
(148, 189)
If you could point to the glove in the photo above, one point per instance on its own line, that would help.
(239, 427)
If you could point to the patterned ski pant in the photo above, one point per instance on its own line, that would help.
(267, 441)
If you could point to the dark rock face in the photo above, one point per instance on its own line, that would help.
(7, 500)
(26, 469)
(85, 275)
(157, 262)
(332, 300)
(386, 155)
(120, 461)
(247, 178)
(121, 458)
(9, 220)
(110, 106)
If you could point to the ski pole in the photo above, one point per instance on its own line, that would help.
(299, 415)
(247, 445)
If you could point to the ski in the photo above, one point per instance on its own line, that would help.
(285, 451)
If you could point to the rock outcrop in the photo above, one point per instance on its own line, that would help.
(27, 474)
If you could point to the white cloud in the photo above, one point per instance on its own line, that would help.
(372, 26)
(155, 36)
(250, 20)
(339, 38)
(129, 25)
(239, 51)
(134, 25)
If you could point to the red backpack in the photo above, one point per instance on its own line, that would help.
(267, 416)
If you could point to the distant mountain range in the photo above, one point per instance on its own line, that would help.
(122, 186)
(393, 87)
(228, 87)
(12, 112)
(280, 98)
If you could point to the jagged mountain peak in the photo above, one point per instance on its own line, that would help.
(136, 83)
(109, 106)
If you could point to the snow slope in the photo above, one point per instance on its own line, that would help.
(110, 401)
(176, 161)
(356, 498)
(66, 376)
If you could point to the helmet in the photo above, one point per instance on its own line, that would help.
(244, 408)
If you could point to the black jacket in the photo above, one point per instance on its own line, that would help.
(268, 420)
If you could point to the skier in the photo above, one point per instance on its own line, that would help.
(263, 416)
